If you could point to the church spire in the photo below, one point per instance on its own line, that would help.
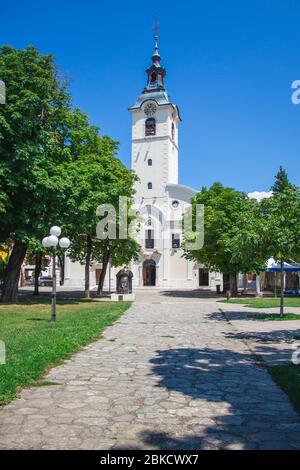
(155, 72)
(156, 56)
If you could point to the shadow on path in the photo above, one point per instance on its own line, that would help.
(275, 336)
(236, 403)
(192, 294)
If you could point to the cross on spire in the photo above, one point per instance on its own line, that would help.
(156, 30)
(156, 27)
(155, 72)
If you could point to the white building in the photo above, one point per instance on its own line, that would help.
(159, 200)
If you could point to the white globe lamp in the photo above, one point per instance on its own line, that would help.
(45, 242)
(52, 241)
(64, 243)
(55, 231)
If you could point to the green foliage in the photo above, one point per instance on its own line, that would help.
(266, 302)
(94, 176)
(282, 223)
(241, 234)
(54, 166)
(36, 248)
(273, 316)
(232, 231)
(281, 181)
(31, 123)
(33, 344)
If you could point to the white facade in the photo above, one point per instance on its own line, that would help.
(159, 200)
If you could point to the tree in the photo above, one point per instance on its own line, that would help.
(36, 256)
(281, 181)
(232, 228)
(282, 225)
(31, 124)
(94, 177)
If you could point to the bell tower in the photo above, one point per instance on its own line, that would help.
(155, 72)
(155, 121)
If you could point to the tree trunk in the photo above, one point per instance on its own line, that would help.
(12, 273)
(105, 261)
(87, 267)
(245, 283)
(233, 284)
(62, 268)
(37, 272)
(281, 287)
(226, 283)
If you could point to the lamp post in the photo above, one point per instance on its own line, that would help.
(51, 242)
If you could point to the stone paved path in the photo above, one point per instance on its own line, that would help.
(170, 374)
(273, 341)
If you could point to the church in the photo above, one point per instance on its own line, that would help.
(159, 200)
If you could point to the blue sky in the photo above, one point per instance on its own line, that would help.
(230, 65)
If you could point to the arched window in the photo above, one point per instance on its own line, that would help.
(153, 77)
(149, 185)
(150, 126)
(173, 131)
(149, 161)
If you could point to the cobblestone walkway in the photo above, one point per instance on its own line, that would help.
(168, 375)
(273, 341)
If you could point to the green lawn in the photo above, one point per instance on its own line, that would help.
(288, 379)
(266, 302)
(33, 344)
(273, 316)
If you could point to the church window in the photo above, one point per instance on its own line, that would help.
(149, 162)
(149, 239)
(173, 131)
(149, 185)
(175, 204)
(175, 240)
(150, 126)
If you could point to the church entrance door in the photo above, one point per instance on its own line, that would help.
(149, 272)
(203, 277)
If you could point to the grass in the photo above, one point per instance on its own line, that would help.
(33, 344)
(288, 379)
(45, 383)
(269, 316)
(273, 316)
(264, 302)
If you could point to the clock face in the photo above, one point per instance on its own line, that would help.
(150, 109)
